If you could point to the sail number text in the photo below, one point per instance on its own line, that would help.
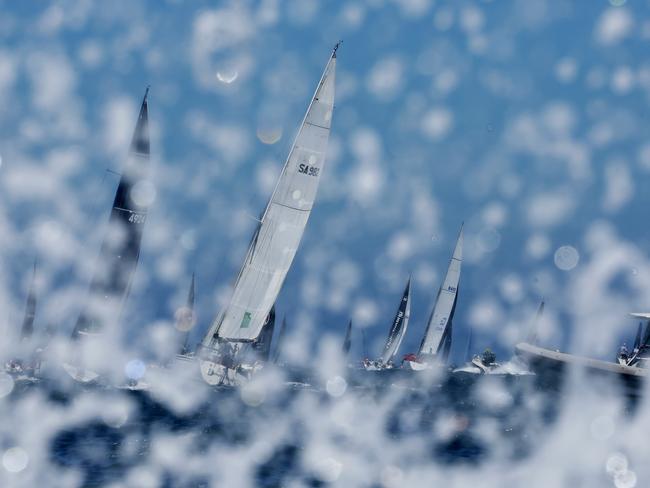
(308, 170)
(136, 218)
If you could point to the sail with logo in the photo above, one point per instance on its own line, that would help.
(120, 250)
(395, 334)
(436, 343)
(276, 239)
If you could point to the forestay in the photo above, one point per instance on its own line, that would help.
(438, 332)
(277, 239)
(398, 328)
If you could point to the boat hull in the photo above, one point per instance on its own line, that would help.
(81, 375)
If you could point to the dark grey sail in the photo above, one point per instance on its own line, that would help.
(27, 329)
(347, 342)
(120, 250)
(398, 327)
(262, 346)
(280, 340)
(186, 319)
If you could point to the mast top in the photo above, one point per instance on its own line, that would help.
(336, 48)
(146, 94)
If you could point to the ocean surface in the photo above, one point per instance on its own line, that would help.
(455, 420)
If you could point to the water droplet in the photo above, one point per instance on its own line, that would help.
(185, 319)
(253, 394)
(336, 386)
(135, 369)
(6, 384)
(269, 135)
(227, 77)
(626, 479)
(616, 463)
(143, 193)
(296, 194)
(566, 258)
(15, 459)
(489, 240)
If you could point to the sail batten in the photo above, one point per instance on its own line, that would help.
(437, 337)
(282, 224)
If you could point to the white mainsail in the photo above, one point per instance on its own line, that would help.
(282, 225)
(438, 328)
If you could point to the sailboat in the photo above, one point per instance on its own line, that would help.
(28, 363)
(436, 343)
(347, 342)
(185, 320)
(120, 250)
(395, 334)
(274, 243)
(640, 356)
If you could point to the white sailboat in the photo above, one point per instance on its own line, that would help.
(275, 241)
(436, 343)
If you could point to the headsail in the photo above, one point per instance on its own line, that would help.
(280, 340)
(27, 329)
(532, 333)
(438, 331)
(398, 328)
(262, 346)
(282, 225)
(347, 342)
(120, 249)
(185, 318)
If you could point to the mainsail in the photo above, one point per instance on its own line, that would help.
(27, 329)
(282, 225)
(398, 328)
(185, 319)
(347, 342)
(437, 338)
(120, 249)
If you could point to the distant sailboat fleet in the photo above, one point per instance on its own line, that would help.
(239, 341)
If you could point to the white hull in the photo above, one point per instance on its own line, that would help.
(415, 366)
(217, 374)
(81, 375)
(546, 356)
